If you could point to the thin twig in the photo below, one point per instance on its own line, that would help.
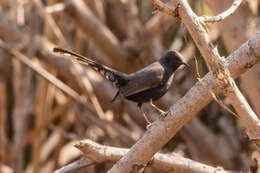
(223, 105)
(76, 165)
(164, 8)
(221, 16)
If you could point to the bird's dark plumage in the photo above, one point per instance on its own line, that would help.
(145, 85)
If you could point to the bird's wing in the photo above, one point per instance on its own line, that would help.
(149, 77)
(118, 78)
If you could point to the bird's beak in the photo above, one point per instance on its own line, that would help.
(184, 63)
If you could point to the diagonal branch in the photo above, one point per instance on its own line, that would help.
(186, 108)
(220, 71)
(218, 80)
(170, 163)
(42, 72)
(99, 33)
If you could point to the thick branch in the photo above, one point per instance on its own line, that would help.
(170, 163)
(195, 99)
(246, 114)
(222, 74)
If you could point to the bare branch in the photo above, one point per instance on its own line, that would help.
(100, 34)
(222, 80)
(206, 19)
(181, 112)
(76, 165)
(220, 71)
(223, 15)
(164, 8)
(246, 114)
(37, 68)
(170, 163)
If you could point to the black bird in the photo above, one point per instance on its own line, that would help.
(145, 85)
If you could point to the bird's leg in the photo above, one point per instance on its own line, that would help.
(163, 113)
(139, 105)
(158, 109)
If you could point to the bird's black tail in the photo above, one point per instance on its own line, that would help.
(118, 78)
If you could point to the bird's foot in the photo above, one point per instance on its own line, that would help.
(148, 126)
(163, 115)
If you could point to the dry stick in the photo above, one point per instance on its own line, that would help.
(223, 15)
(236, 25)
(246, 114)
(164, 8)
(42, 72)
(40, 110)
(46, 45)
(51, 22)
(54, 8)
(64, 125)
(206, 19)
(76, 165)
(196, 134)
(83, 81)
(217, 65)
(126, 22)
(154, 25)
(86, 85)
(18, 117)
(4, 146)
(213, 95)
(170, 163)
(58, 111)
(10, 32)
(99, 33)
(181, 112)
(119, 128)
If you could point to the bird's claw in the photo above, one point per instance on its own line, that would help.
(163, 115)
(148, 126)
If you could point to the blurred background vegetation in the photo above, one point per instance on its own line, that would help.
(41, 119)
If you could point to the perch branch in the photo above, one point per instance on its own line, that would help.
(217, 65)
(139, 154)
(170, 163)
(181, 112)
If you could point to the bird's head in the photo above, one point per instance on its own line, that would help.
(172, 60)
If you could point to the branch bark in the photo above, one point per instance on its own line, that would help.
(221, 80)
(170, 163)
(221, 73)
(180, 113)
